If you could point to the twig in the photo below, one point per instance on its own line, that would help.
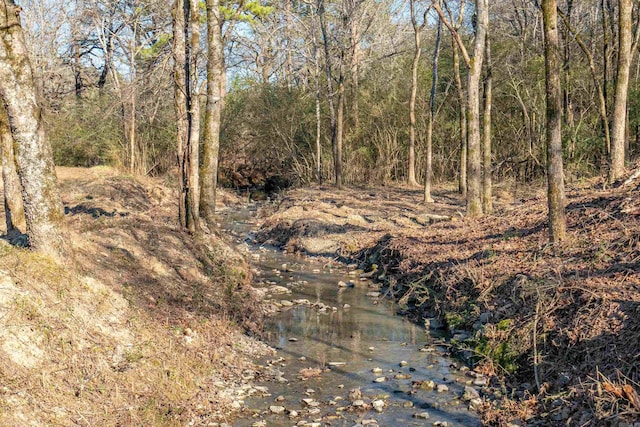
(535, 343)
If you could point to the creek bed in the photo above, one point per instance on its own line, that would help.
(344, 356)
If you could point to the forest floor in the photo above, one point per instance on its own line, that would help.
(556, 327)
(145, 325)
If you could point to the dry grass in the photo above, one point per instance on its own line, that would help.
(143, 328)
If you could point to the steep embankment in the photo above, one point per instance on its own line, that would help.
(139, 329)
(558, 329)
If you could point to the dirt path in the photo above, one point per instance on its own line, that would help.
(557, 328)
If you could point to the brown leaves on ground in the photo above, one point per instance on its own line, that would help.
(582, 296)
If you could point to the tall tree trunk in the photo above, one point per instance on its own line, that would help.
(211, 145)
(487, 202)
(619, 123)
(42, 204)
(336, 129)
(13, 206)
(605, 60)
(474, 158)
(337, 154)
(187, 207)
(432, 111)
(193, 109)
(316, 78)
(412, 100)
(462, 177)
(555, 174)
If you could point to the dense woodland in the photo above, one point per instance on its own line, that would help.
(349, 91)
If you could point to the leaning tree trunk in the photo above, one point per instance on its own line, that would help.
(474, 159)
(42, 204)
(211, 145)
(555, 174)
(487, 202)
(13, 206)
(618, 128)
(432, 111)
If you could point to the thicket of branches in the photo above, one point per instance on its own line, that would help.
(292, 65)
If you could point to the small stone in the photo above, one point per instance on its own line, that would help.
(373, 294)
(470, 393)
(442, 388)
(280, 398)
(293, 414)
(380, 380)
(422, 415)
(407, 404)
(346, 306)
(261, 423)
(427, 385)
(337, 363)
(276, 409)
(480, 381)
(403, 363)
(358, 402)
(378, 405)
(293, 339)
(441, 424)
(377, 370)
(302, 359)
(475, 404)
(371, 423)
(402, 376)
(286, 303)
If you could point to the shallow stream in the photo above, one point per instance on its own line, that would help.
(344, 357)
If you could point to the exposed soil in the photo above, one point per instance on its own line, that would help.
(146, 325)
(558, 328)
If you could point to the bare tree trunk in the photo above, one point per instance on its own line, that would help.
(432, 111)
(462, 178)
(316, 78)
(605, 60)
(13, 206)
(183, 100)
(555, 174)
(193, 110)
(337, 154)
(211, 145)
(42, 204)
(412, 100)
(336, 130)
(619, 123)
(487, 202)
(474, 159)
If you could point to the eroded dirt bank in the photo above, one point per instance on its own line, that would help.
(557, 329)
(144, 326)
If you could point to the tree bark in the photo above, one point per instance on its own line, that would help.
(555, 174)
(211, 145)
(183, 102)
(432, 112)
(13, 206)
(462, 177)
(42, 204)
(474, 159)
(335, 121)
(487, 202)
(412, 100)
(619, 123)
